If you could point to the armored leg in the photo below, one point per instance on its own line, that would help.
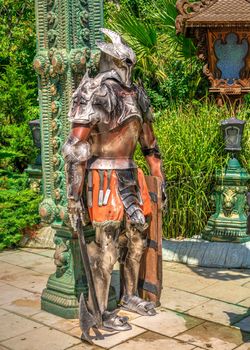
(132, 247)
(103, 254)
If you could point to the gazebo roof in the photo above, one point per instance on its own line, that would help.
(212, 13)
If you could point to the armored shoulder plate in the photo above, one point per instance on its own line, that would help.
(93, 101)
(144, 103)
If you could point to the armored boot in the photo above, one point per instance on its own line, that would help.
(103, 254)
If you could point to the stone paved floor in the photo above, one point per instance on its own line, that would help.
(202, 308)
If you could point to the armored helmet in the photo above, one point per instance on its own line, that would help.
(117, 56)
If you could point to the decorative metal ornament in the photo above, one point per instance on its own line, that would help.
(229, 223)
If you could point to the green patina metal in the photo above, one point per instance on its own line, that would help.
(66, 34)
(229, 223)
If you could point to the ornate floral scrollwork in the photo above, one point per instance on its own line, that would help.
(62, 255)
(41, 64)
(78, 59)
(85, 34)
(187, 10)
(48, 210)
(63, 214)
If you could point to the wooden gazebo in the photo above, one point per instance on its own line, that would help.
(221, 31)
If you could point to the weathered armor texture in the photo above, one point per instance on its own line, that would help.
(109, 116)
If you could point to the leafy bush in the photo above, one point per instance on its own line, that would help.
(18, 208)
(192, 148)
(18, 83)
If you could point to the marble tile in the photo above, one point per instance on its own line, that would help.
(179, 300)
(168, 323)
(152, 341)
(42, 339)
(220, 312)
(15, 325)
(212, 336)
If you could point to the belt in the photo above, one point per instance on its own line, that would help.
(111, 163)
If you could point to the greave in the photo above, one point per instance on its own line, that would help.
(130, 261)
(103, 254)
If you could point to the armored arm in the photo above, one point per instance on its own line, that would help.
(76, 152)
(151, 150)
(152, 154)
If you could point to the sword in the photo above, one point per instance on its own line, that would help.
(88, 320)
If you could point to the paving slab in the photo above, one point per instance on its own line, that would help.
(189, 283)
(179, 300)
(220, 312)
(6, 270)
(25, 259)
(213, 336)
(111, 338)
(14, 325)
(41, 339)
(84, 346)
(44, 252)
(57, 322)
(46, 268)
(244, 347)
(245, 302)
(239, 276)
(28, 280)
(153, 341)
(26, 306)
(168, 323)
(225, 291)
(8, 294)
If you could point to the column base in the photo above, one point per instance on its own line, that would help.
(61, 295)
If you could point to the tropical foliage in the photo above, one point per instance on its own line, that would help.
(166, 62)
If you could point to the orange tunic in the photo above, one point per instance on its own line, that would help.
(114, 210)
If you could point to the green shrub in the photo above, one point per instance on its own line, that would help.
(18, 208)
(192, 148)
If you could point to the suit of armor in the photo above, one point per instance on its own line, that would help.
(109, 115)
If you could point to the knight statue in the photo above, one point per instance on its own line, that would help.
(109, 115)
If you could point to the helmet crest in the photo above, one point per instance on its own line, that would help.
(117, 49)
